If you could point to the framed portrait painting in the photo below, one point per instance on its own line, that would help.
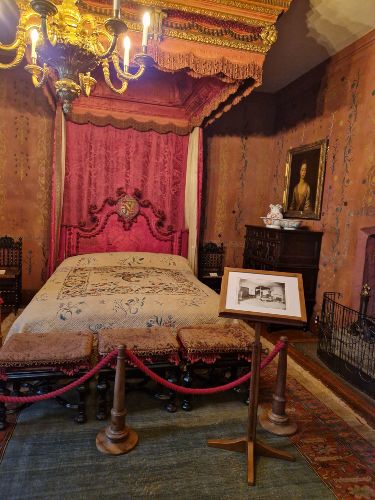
(304, 179)
(266, 296)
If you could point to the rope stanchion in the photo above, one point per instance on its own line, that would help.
(117, 438)
(276, 420)
(137, 362)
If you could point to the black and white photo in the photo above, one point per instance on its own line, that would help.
(274, 295)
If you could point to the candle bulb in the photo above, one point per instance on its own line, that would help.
(34, 38)
(116, 8)
(126, 52)
(146, 24)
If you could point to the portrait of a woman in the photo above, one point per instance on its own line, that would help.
(304, 180)
(301, 192)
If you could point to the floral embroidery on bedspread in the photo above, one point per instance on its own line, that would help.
(109, 280)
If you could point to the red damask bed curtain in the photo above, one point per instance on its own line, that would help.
(99, 160)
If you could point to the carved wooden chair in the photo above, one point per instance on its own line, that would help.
(11, 271)
(211, 265)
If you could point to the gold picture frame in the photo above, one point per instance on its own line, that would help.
(304, 180)
(265, 296)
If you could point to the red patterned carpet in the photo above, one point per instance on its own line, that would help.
(341, 457)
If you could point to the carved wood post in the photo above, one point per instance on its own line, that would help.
(276, 420)
(117, 438)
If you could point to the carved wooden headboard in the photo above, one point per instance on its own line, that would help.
(121, 224)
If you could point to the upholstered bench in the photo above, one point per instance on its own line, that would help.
(219, 345)
(33, 358)
(156, 347)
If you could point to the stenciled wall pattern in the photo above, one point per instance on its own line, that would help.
(246, 163)
(26, 146)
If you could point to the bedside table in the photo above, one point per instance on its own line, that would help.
(213, 282)
(211, 264)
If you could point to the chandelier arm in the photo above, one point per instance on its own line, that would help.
(38, 74)
(18, 57)
(111, 48)
(107, 78)
(125, 75)
(43, 26)
(11, 46)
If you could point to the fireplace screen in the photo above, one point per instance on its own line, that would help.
(347, 341)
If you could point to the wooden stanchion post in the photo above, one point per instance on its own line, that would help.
(276, 420)
(117, 438)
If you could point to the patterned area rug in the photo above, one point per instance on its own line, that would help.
(342, 458)
(49, 456)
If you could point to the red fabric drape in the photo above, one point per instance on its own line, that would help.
(101, 159)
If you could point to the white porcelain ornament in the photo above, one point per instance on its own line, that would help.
(275, 212)
(274, 217)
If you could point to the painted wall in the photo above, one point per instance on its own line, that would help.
(26, 142)
(246, 156)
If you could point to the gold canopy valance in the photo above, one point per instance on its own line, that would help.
(218, 45)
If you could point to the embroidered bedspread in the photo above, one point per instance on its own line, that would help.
(120, 289)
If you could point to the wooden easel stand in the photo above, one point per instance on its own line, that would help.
(250, 444)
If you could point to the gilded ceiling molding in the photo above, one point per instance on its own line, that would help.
(215, 40)
(251, 13)
(234, 27)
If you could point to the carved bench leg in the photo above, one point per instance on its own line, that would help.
(101, 390)
(81, 418)
(172, 377)
(3, 416)
(187, 382)
(16, 389)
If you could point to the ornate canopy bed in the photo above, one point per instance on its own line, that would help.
(106, 282)
(205, 59)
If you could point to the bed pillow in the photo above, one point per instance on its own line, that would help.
(127, 259)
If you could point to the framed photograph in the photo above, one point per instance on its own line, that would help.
(304, 179)
(266, 296)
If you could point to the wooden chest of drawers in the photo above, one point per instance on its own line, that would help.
(295, 251)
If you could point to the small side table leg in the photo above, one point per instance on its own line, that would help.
(3, 415)
(186, 382)
(101, 390)
(81, 417)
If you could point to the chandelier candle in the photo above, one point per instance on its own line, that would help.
(34, 35)
(126, 52)
(146, 24)
(116, 8)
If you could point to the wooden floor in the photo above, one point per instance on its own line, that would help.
(362, 404)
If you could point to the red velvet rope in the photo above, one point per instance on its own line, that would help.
(136, 361)
(211, 390)
(66, 388)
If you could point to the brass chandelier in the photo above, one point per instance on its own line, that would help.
(73, 45)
